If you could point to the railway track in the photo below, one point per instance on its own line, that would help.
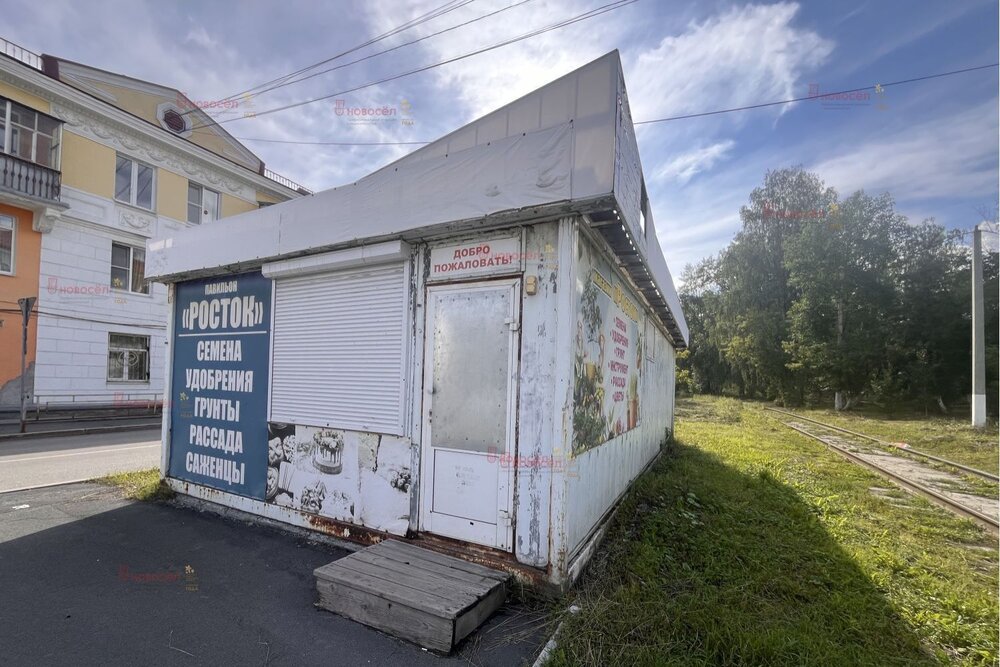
(949, 490)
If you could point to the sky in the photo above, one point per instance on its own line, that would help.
(933, 145)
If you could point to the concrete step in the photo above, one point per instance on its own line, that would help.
(422, 596)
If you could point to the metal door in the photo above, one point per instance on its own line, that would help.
(468, 427)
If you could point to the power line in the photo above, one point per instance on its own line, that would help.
(581, 17)
(422, 18)
(662, 120)
(877, 87)
(394, 48)
(338, 143)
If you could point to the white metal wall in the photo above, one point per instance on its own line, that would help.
(598, 477)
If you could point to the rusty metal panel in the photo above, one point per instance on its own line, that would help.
(539, 459)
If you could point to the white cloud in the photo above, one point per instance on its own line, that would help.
(953, 155)
(686, 165)
(742, 56)
(198, 35)
(482, 83)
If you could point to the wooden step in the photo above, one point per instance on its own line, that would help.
(425, 597)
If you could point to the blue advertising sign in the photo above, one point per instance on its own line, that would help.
(218, 391)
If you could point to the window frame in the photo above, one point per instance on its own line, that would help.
(134, 183)
(13, 245)
(201, 203)
(6, 105)
(131, 259)
(125, 365)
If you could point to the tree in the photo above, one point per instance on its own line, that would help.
(932, 311)
(840, 321)
(755, 291)
(822, 298)
(704, 365)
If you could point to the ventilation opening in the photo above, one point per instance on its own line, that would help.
(174, 121)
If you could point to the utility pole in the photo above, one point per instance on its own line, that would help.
(978, 333)
(26, 304)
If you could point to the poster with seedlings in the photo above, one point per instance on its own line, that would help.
(607, 355)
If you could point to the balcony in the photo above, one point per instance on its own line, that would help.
(28, 179)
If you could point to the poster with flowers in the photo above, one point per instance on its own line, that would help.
(606, 361)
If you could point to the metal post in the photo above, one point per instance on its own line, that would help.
(26, 304)
(978, 333)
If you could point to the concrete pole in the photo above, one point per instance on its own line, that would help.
(978, 333)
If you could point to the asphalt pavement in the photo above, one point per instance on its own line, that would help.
(41, 461)
(88, 578)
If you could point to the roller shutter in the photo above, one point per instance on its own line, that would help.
(339, 349)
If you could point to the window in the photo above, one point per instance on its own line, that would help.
(29, 135)
(203, 204)
(128, 268)
(134, 182)
(128, 358)
(7, 225)
(649, 340)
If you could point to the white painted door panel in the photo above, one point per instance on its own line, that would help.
(469, 404)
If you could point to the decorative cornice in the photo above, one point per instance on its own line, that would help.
(199, 162)
(126, 140)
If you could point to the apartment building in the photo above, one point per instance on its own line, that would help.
(93, 165)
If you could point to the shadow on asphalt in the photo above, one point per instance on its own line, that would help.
(89, 578)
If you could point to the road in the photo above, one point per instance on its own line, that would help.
(39, 461)
(9, 425)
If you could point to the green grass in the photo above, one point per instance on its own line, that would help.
(952, 438)
(139, 485)
(751, 545)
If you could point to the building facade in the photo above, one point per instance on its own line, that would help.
(94, 165)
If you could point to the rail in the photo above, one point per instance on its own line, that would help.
(287, 182)
(911, 485)
(21, 54)
(28, 178)
(147, 400)
(892, 446)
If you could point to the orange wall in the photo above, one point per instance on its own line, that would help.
(24, 282)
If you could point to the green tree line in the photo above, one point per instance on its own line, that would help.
(820, 298)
